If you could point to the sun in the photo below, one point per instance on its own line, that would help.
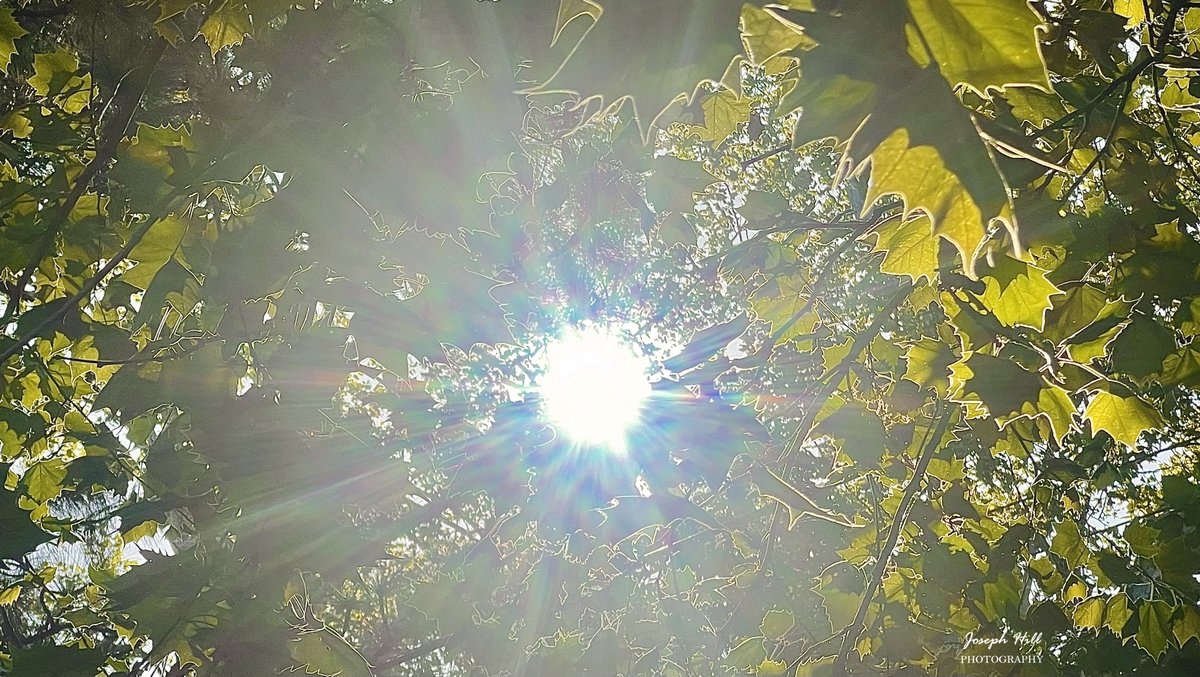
(593, 387)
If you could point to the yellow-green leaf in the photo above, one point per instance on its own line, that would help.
(147, 528)
(52, 69)
(909, 247)
(10, 595)
(981, 43)
(1090, 613)
(1153, 619)
(722, 113)
(771, 668)
(929, 363)
(1123, 417)
(1017, 293)
(1068, 543)
(777, 623)
(1187, 626)
(653, 52)
(10, 30)
(1134, 11)
(798, 504)
(920, 177)
(43, 480)
(324, 652)
(782, 311)
(765, 36)
(1055, 405)
(18, 124)
(1117, 613)
(155, 249)
(227, 25)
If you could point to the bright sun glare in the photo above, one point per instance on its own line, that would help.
(593, 387)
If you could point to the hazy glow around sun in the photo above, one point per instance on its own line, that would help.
(593, 387)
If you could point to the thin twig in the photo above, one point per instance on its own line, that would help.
(854, 631)
(104, 154)
(73, 302)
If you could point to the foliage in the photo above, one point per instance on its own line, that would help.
(922, 279)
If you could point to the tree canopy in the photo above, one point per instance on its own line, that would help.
(919, 281)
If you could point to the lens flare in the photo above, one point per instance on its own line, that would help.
(593, 387)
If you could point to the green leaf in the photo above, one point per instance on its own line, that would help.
(1089, 615)
(52, 71)
(1143, 540)
(43, 480)
(770, 668)
(10, 30)
(324, 652)
(10, 595)
(983, 44)
(654, 53)
(1134, 12)
(909, 246)
(1123, 417)
(156, 248)
(1034, 106)
(920, 177)
(860, 430)
(1069, 544)
(782, 311)
(1055, 405)
(1187, 626)
(1153, 619)
(929, 363)
(832, 108)
(1000, 384)
(1117, 613)
(777, 623)
(56, 661)
(1182, 368)
(147, 528)
(1141, 347)
(1017, 293)
(18, 535)
(673, 184)
(1082, 307)
(765, 36)
(748, 654)
(227, 25)
(922, 144)
(722, 113)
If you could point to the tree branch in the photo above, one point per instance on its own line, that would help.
(104, 154)
(73, 302)
(416, 652)
(43, 12)
(854, 631)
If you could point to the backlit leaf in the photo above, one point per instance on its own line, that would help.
(1017, 293)
(909, 246)
(1154, 617)
(982, 43)
(227, 25)
(722, 113)
(10, 30)
(654, 53)
(777, 623)
(1125, 417)
(1068, 544)
(156, 248)
(920, 177)
(1090, 613)
(1187, 626)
